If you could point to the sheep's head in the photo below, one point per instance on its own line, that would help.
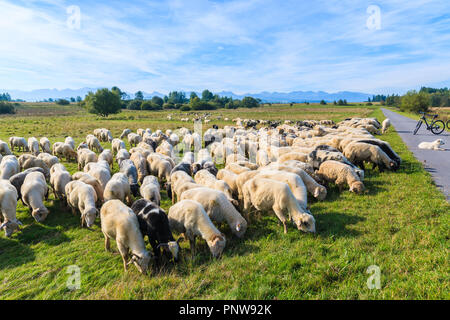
(10, 227)
(40, 214)
(320, 193)
(172, 247)
(216, 245)
(89, 217)
(134, 189)
(306, 223)
(357, 187)
(141, 261)
(240, 228)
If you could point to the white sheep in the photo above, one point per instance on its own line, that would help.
(34, 190)
(119, 222)
(48, 159)
(107, 156)
(85, 156)
(134, 139)
(341, 174)
(267, 194)
(218, 207)
(358, 152)
(385, 125)
(207, 179)
(64, 150)
(150, 189)
(83, 197)
(9, 167)
(121, 155)
(70, 142)
(101, 174)
(141, 165)
(4, 149)
(33, 145)
(18, 142)
(230, 178)
(8, 205)
(189, 218)
(93, 143)
(124, 133)
(116, 145)
(44, 143)
(87, 178)
(118, 187)
(59, 178)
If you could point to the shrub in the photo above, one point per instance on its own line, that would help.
(203, 105)
(323, 102)
(168, 105)
(415, 102)
(185, 108)
(62, 102)
(250, 102)
(134, 105)
(149, 105)
(6, 108)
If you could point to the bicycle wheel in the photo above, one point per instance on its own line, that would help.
(417, 126)
(448, 124)
(437, 127)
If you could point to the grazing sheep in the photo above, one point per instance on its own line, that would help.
(9, 167)
(205, 178)
(141, 165)
(44, 143)
(83, 197)
(134, 139)
(118, 188)
(125, 133)
(18, 179)
(8, 205)
(4, 149)
(159, 167)
(154, 224)
(294, 182)
(262, 158)
(150, 189)
(230, 178)
(23, 158)
(82, 145)
(48, 159)
(385, 125)
(93, 143)
(36, 162)
(183, 166)
(33, 145)
(34, 189)
(59, 178)
(122, 154)
(241, 179)
(88, 179)
(386, 147)
(267, 194)
(358, 152)
(85, 156)
(101, 174)
(301, 165)
(107, 156)
(189, 217)
(18, 142)
(128, 168)
(65, 150)
(435, 145)
(234, 167)
(318, 191)
(70, 142)
(303, 157)
(116, 145)
(218, 207)
(119, 222)
(341, 174)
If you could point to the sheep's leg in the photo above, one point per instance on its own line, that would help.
(107, 243)
(192, 245)
(124, 253)
(280, 215)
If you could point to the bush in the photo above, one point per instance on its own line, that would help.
(415, 102)
(134, 105)
(158, 101)
(148, 105)
(369, 103)
(62, 102)
(203, 105)
(6, 108)
(323, 102)
(168, 105)
(185, 108)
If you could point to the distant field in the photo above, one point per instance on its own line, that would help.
(400, 224)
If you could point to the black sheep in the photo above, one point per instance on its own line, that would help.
(154, 223)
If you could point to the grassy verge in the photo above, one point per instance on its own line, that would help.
(400, 224)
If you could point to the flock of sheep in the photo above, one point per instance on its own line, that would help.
(269, 169)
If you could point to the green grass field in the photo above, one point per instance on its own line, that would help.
(400, 224)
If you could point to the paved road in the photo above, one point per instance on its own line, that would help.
(435, 162)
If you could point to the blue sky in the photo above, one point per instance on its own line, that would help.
(239, 46)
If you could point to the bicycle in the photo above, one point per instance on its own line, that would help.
(448, 124)
(436, 126)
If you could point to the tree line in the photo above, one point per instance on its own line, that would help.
(104, 102)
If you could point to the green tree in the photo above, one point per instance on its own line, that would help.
(157, 101)
(149, 105)
(207, 95)
(62, 102)
(120, 93)
(104, 102)
(139, 96)
(249, 102)
(323, 102)
(6, 108)
(415, 102)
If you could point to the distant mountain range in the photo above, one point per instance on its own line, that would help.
(273, 97)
